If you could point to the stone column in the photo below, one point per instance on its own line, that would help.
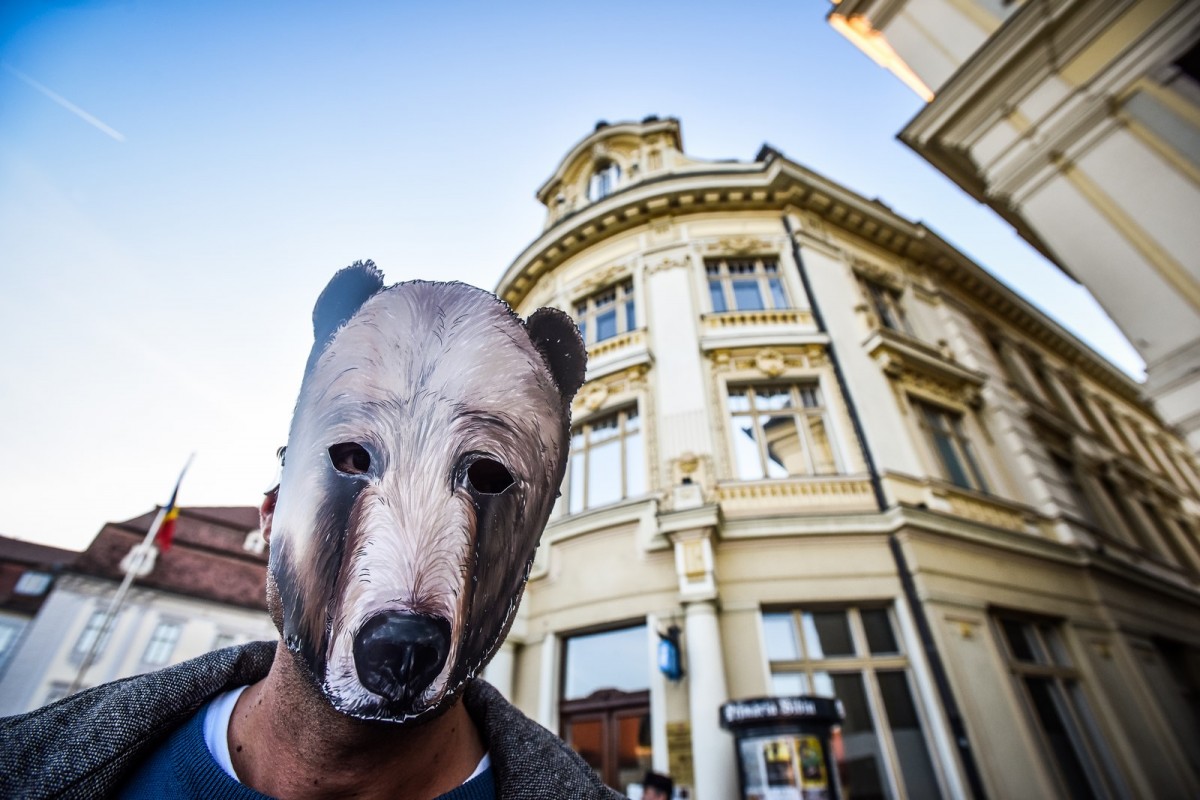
(500, 671)
(712, 748)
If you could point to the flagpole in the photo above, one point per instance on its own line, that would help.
(118, 599)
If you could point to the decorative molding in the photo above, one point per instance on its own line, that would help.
(772, 361)
(667, 262)
(926, 370)
(623, 382)
(816, 494)
(600, 279)
(625, 340)
(994, 513)
(740, 245)
(877, 273)
(733, 319)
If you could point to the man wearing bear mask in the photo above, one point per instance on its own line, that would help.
(425, 453)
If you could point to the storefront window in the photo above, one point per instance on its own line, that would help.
(853, 654)
(605, 703)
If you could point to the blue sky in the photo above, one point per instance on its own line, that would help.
(178, 181)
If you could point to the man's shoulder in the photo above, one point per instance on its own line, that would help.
(84, 744)
(527, 759)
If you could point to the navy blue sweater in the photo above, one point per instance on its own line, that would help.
(182, 768)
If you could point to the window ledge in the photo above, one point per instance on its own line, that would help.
(809, 494)
(593, 519)
(618, 353)
(912, 361)
(720, 320)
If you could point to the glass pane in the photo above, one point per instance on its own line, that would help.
(789, 684)
(778, 298)
(575, 501)
(915, 765)
(746, 295)
(606, 324)
(1054, 642)
(950, 461)
(976, 470)
(863, 754)
(604, 429)
(833, 629)
(586, 737)
(630, 319)
(635, 465)
(633, 749)
(1022, 642)
(716, 294)
(785, 455)
(823, 685)
(739, 400)
(822, 448)
(772, 398)
(779, 631)
(604, 474)
(632, 420)
(617, 659)
(582, 325)
(745, 450)
(881, 640)
(1047, 702)
(810, 396)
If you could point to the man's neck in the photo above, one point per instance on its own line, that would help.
(285, 740)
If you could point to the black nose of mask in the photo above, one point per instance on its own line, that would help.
(398, 655)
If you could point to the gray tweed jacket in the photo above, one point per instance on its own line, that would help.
(85, 745)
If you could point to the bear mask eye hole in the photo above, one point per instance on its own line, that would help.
(350, 458)
(489, 477)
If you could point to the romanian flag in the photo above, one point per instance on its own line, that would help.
(166, 530)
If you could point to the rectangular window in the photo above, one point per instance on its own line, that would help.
(888, 308)
(607, 313)
(91, 632)
(853, 654)
(162, 643)
(948, 440)
(33, 583)
(1046, 678)
(607, 461)
(745, 284)
(605, 703)
(779, 431)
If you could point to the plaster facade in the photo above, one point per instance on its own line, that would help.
(840, 458)
(1079, 123)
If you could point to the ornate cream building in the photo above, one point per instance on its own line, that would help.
(842, 459)
(1078, 121)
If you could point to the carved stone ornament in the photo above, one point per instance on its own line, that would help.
(770, 363)
(601, 278)
(666, 263)
(741, 246)
(593, 397)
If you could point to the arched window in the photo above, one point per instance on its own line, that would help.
(604, 180)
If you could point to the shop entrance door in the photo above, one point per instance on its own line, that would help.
(611, 730)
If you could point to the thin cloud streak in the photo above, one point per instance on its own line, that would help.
(67, 104)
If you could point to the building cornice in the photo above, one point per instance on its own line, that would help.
(782, 185)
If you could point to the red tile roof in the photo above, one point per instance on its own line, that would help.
(207, 558)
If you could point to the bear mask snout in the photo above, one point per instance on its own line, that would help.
(397, 655)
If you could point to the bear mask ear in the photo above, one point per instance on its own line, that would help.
(345, 294)
(341, 299)
(557, 338)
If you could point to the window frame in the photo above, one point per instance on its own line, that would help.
(1074, 708)
(867, 666)
(604, 180)
(98, 630)
(764, 278)
(165, 643)
(798, 411)
(887, 305)
(587, 425)
(969, 465)
(624, 304)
